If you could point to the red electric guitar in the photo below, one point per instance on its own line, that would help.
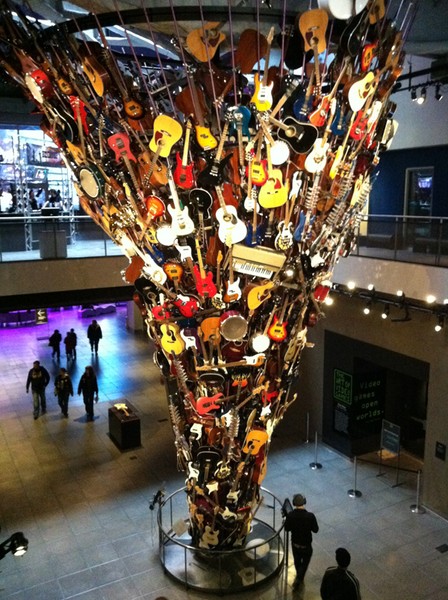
(204, 281)
(183, 173)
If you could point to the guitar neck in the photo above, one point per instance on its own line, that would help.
(186, 144)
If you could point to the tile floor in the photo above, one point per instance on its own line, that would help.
(84, 505)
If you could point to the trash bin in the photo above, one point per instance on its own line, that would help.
(124, 426)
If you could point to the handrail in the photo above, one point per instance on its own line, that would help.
(400, 238)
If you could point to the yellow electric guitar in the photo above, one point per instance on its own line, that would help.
(262, 97)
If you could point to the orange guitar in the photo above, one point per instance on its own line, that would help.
(277, 331)
(255, 440)
(203, 43)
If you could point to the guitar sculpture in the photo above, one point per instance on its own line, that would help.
(229, 328)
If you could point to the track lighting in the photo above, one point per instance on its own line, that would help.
(386, 311)
(17, 544)
(440, 323)
(367, 308)
(422, 98)
(438, 95)
(413, 94)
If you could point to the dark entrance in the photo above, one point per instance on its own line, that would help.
(364, 384)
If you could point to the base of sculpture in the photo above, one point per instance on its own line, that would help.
(225, 571)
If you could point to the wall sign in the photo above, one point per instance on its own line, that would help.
(390, 437)
(342, 387)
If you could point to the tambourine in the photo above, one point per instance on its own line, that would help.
(233, 326)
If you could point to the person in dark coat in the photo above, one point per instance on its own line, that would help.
(63, 389)
(94, 334)
(70, 341)
(302, 524)
(38, 379)
(338, 583)
(55, 342)
(88, 385)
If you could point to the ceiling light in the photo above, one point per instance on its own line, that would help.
(413, 94)
(438, 95)
(422, 98)
(351, 285)
(371, 287)
(328, 301)
(430, 299)
(400, 293)
(385, 312)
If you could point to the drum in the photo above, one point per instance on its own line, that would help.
(233, 326)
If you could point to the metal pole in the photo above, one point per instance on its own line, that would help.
(315, 465)
(354, 493)
(416, 508)
(307, 441)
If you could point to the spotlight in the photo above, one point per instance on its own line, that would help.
(351, 285)
(413, 94)
(385, 312)
(400, 293)
(422, 98)
(440, 323)
(438, 95)
(17, 544)
(430, 299)
(371, 287)
(367, 308)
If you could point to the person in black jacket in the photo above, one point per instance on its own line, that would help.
(302, 524)
(94, 334)
(38, 378)
(338, 583)
(88, 385)
(63, 389)
(55, 342)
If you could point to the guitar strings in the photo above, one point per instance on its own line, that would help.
(156, 50)
(137, 62)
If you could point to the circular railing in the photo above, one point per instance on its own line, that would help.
(221, 571)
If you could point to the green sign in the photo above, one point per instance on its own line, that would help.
(342, 387)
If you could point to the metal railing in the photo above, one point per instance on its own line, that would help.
(421, 240)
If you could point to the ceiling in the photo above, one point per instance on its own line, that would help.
(427, 36)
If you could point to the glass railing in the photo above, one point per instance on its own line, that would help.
(53, 237)
(422, 240)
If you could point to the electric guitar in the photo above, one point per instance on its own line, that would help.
(262, 97)
(183, 173)
(181, 222)
(233, 290)
(204, 281)
(213, 173)
(277, 332)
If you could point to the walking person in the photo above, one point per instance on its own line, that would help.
(94, 334)
(63, 389)
(70, 344)
(55, 342)
(88, 385)
(338, 583)
(302, 524)
(38, 379)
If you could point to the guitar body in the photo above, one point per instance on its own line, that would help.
(319, 116)
(133, 109)
(246, 116)
(205, 286)
(119, 143)
(277, 331)
(231, 228)
(273, 193)
(300, 136)
(213, 173)
(339, 124)
(259, 171)
(183, 175)
(313, 25)
(171, 340)
(159, 175)
(167, 131)
(188, 306)
(181, 222)
(360, 90)
(203, 43)
(97, 75)
(317, 159)
(205, 138)
(284, 238)
(262, 97)
(233, 291)
(259, 294)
